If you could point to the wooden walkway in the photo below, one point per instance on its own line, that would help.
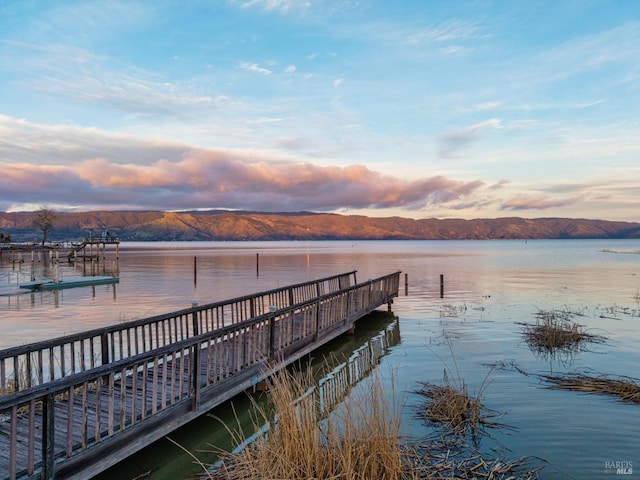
(79, 250)
(73, 406)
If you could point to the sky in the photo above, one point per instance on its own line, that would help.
(420, 109)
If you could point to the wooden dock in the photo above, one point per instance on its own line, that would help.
(73, 406)
(96, 246)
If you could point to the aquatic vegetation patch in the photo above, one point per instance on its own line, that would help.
(451, 450)
(449, 406)
(624, 388)
(452, 311)
(443, 460)
(555, 332)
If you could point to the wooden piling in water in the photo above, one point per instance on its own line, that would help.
(441, 286)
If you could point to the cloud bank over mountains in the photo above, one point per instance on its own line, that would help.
(375, 108)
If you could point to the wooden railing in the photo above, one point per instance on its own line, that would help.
(78, 424)
(35, 364)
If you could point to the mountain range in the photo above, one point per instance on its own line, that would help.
(241, 225)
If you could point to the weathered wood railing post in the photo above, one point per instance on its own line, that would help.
(317, 330)
(48, 436)
(195, 365)
(104, 347)
(16, 374)
(272, 334)
(28, 370)
(352, 297)
(13, 446)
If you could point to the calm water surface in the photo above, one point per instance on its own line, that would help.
(489, 288)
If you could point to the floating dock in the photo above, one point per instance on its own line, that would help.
(70, 282)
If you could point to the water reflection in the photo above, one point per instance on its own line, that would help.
(337, 366)
(490, 287)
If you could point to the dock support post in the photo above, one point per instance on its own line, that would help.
(406, 284)
(441, 286)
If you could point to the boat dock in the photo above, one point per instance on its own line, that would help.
(71, 407)
(41, 272)
(93, 247)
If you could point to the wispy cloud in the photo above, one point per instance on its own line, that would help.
(264, 120)
(78, 75)
(448, 31)
(612, 55)
(454, 143)
(39, 144)
(253, 67)
(480, 107)
(282, 6)
(536, 202)
(499, 185)
(587, 104)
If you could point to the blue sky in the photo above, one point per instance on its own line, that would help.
(449, 109)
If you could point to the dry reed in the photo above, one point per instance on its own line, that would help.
(359, 440)
(449, 406)
(555, 332)
(444, 460)
(625, 389)
(450, 452)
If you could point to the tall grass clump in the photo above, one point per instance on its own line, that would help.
(359, 440)
(555, 332)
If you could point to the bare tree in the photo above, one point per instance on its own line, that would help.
(44, 221)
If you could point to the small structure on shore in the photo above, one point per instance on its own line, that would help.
(91, 247)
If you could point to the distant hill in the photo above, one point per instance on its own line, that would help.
(225, 225)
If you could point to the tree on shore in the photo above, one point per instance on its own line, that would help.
(44, 221)
(5, 238)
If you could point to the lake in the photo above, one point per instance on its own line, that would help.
(474, 331)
